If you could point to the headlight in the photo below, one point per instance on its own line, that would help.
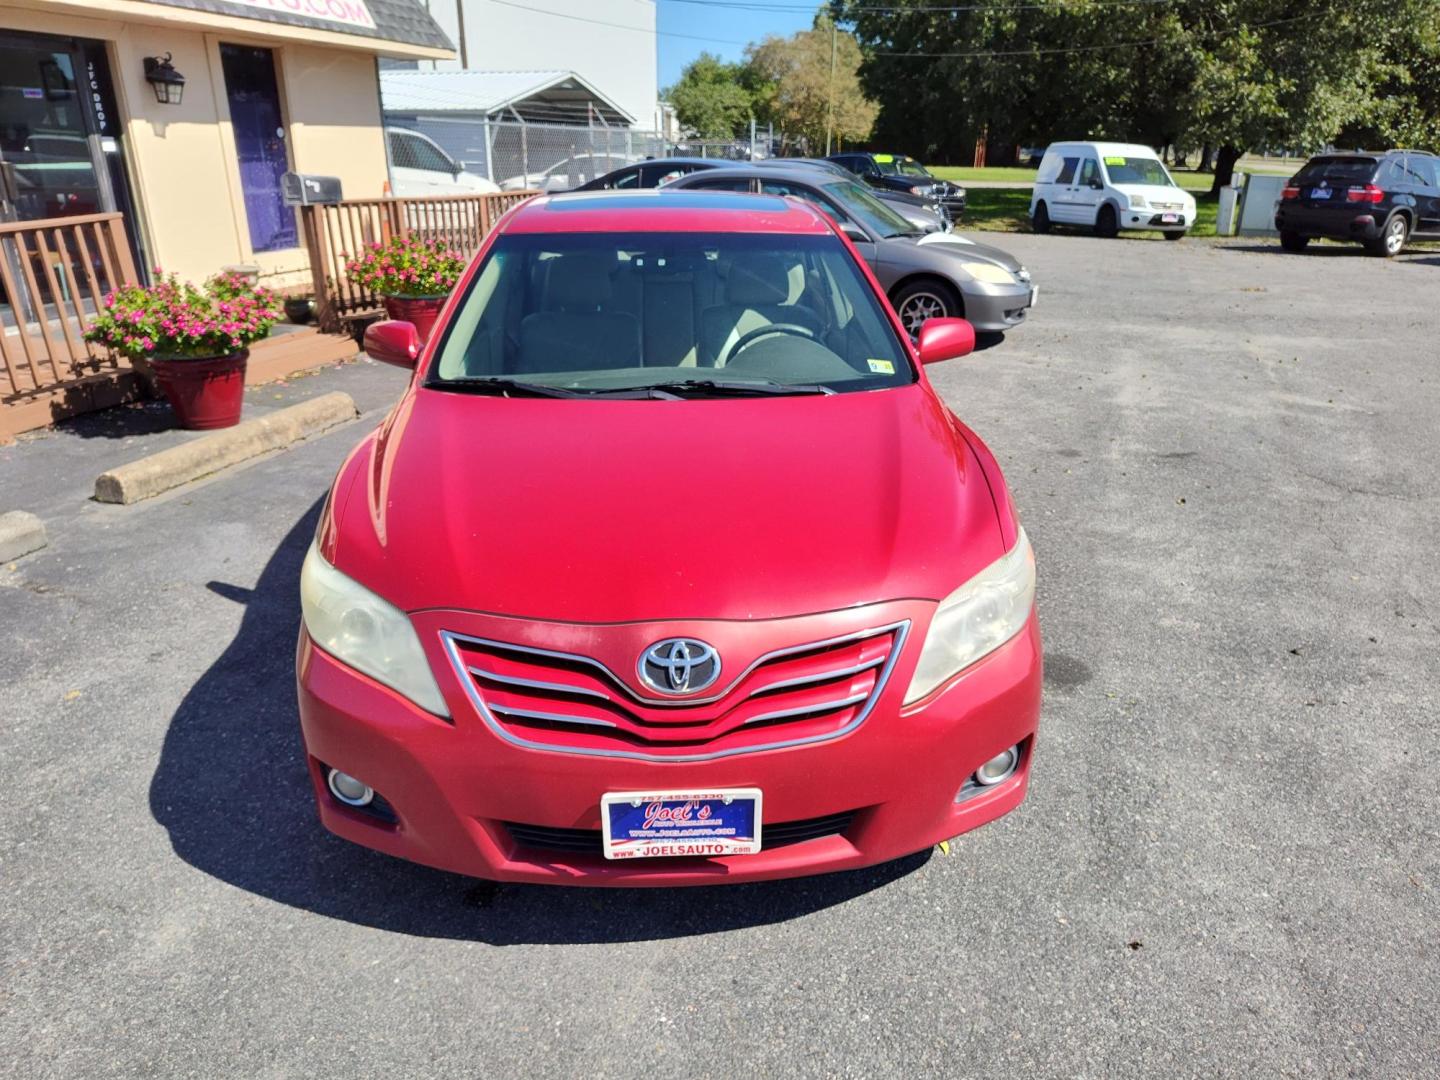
(977, 618)
(372, 635)
(919, 189)
(989, 273)
(1137, 202)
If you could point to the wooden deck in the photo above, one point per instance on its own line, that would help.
(26, 408)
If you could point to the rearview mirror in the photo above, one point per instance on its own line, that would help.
(393, 342)
(945, 339)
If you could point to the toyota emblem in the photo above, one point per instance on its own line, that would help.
(679, 666)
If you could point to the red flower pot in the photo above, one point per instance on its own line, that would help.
(205, 393)
(421, 311)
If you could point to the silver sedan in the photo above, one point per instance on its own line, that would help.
(926, 275)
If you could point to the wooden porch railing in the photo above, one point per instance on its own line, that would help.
(54, 274)
(337, 232)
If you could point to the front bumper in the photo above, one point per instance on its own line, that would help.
(1152, 220)
(996, 308)
(1339, 222)
(467, 801)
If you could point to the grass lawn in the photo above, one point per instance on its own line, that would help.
(1008, 210)
(962, 175)
(1186, 178)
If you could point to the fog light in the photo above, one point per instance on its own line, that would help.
(350, 791)
(1000, 767)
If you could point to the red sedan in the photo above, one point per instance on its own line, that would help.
(669, 568)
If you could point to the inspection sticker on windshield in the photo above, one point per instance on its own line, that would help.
(651, 824)
(1114, 161)
(882, 367)
(883, 157)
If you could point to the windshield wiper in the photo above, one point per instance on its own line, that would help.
(502, 387)
(732, 388)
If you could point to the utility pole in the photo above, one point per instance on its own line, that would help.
(752, 138)
(830, 104)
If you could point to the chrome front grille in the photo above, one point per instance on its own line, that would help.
(568, 703)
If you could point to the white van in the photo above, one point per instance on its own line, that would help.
(1108, 187)
(419, 167)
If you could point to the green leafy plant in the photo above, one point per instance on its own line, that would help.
(407, 266)
(173, 320)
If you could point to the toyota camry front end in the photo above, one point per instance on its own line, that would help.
(669, 568)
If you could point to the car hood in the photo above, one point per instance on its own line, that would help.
(1156, 193)
(903, 198)
(614, 511)
(965, 248)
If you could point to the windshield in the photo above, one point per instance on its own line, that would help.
(1137, 170)
(868, 210)
(692, 314)
(899, 164)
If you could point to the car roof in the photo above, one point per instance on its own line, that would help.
(666, 210)
(759, 171)
(1118, 149)
(675, 161)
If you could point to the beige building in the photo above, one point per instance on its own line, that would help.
(88, 123)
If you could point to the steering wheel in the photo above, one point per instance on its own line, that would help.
(746, 340)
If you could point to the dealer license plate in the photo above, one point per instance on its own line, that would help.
(1319, 193)
(1169, 219)
(657, 824)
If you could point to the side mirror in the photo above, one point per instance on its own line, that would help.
(945, 339)
(1098, 185)
(393, 342)
(855, 233)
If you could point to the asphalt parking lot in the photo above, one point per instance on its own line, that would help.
(1227, 864)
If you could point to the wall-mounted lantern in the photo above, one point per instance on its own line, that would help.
(169, 84)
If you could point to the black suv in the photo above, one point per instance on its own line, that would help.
(1380, 199)
(898, 172)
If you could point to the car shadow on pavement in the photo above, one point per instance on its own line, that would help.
(232, 791)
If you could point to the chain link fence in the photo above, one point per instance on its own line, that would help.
(549, 157)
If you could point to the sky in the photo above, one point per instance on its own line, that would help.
(686, 28)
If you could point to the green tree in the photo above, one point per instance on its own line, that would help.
(1405, 110)
(808, 84)
(1236, 74)
(709, 98)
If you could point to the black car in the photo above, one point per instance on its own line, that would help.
(926, 211)
(651, 174)
(899, 172)
(925, 214)
(1379, 199)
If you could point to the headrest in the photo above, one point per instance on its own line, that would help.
(758, 279)
(578, 281)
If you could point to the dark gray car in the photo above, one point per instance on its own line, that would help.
(926, 275)
(927, 215)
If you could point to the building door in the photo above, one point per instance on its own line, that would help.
(62, 151)
(260, 144)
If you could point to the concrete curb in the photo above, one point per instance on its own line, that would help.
(160, 472)
(20, 534)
